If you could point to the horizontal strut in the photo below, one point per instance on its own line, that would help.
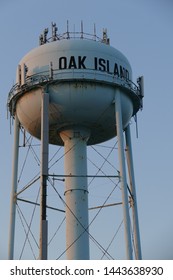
(84, 176)
(63, 211)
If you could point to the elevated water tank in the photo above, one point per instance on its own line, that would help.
(81, 77)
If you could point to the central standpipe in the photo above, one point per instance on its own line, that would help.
(76, 193)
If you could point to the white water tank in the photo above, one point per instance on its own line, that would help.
(81, 77)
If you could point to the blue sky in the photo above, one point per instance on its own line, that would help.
(142, 31)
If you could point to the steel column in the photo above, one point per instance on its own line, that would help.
(133, 191)
(119, 129)
(44, 175)
(14, 188)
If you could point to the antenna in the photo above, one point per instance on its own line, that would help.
(19, 75)
(45, 35)
(140, 82)
(24, 70)
(105, 37)
(68, 35)
(81, 29)
(41, 41)
(136, 122)
(51, 70)
(74, 31)
(94, 31)
(54, 32)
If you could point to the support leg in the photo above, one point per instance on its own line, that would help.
(133, 191)
(44, 175)
(126, 215)
(14, 189)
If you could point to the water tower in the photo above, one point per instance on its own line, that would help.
(75, 90)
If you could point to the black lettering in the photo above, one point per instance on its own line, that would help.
(102, 64)
(127, 74)
(56, 271)
(116, 71)
(81, 62)
(95, 63)
(121, 72)
(72, 63)
(67, 271)
(63, 62)
(107, 66)
(12, 272)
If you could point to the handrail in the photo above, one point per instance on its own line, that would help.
(41, 78)
(77, 35)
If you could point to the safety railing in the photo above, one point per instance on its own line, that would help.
(56, 76)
